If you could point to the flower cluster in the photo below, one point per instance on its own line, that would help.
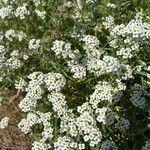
(34, 44)
(106, 145)
(86, 123)
(82, 69)
(123, 125)
(40, 145)
(20, 84)
(5, 11)
(58, 102)
(4, 122)
(22, 11)
(41, 14)
(64, 49)
(105, 115)
(104, 91)
(54, 81)
(146, 146)
(108, 22)
(11, 34)
(136, 97)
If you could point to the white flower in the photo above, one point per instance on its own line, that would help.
(54, 81)
(123, 125)
(62, 143)
(47, 133)
(90, 41)
(148, 68)
(96, 66)
(105, 115)
(40, 146)
(37, 2)
(146, 146)
(1, 36)
(34, 91)
(58, 102)
(81, 146)
(73, 145)
(4, 122)
(25, 56)
(44, 118)
(135, 28)
(104, 91)
(10, 34)
(32, 119)
(107, 145)
(68, 123)
(113, 64)
(37, 78)
(111, 5)
(5, 11)
(2, 49)
(27, 104)
(26, 124)
(21, 84)
(87, 127)
(127, 72)
(125, 53)
(34, 43)
(99, 67)
(136, 96)
(21, 35)
(58, 47)
(14, 53)
(63, 49)
(108, 22)
(84, 107)
(13, 63)
(22, 11)
(41, 14)
(78, 71)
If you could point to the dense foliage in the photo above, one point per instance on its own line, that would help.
(83, 69)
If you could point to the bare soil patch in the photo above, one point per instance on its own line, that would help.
(11, 138)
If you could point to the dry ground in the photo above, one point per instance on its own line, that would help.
(11, 138)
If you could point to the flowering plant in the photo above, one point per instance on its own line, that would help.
(84, 67)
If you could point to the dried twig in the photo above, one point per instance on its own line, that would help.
(11, 101)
